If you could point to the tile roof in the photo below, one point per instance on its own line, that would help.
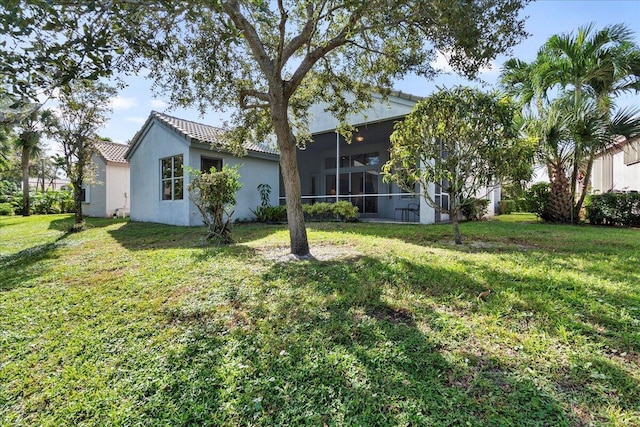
(205, 133)
(111, 151)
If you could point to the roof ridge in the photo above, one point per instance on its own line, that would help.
(185, 120)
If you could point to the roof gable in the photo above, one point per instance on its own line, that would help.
(195, 132)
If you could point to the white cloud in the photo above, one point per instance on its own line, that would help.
(158, 103)
(139, 120)
(123, 103)
(442, 64)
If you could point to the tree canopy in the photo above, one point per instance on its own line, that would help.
(269, 60)
(83, 109)
(274, 59)
(462, 140)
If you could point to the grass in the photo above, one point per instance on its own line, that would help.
(144, 324)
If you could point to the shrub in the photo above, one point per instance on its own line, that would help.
(270, 214)
(506, 207)
(6, 209)
(265, 194)
(474, 209)
(345, 211)
(341, 211)
(214, 194)
(8, 189)
(537, 199)
(614, 209)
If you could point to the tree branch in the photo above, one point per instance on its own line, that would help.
(251, 93)
(232, 9)
(301, 39)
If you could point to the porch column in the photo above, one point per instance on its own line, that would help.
(427, 213)
(337, 166)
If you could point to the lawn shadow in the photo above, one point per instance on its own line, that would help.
(18, 268)
(321, 344)
(146, 235)
(66, 224)
(569, 303)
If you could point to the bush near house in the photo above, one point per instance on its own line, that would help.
(621, 209)
(505, 207)
(338, 211)
(474, 209)
(270, 214)
(537, 199)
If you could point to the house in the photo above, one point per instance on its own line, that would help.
(333, 169)
(106, 192)
(618, 167)
(163, 150)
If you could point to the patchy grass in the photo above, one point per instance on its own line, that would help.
(145, 324)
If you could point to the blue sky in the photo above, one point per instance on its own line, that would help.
(545, 18)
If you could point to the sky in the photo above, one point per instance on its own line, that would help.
(544, 18)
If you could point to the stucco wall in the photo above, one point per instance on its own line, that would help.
(322, 121)
(118, 191)
(610, 172)
(160, 142)
(146, 204)
(253, 171)
(625, 177)
(96, 184)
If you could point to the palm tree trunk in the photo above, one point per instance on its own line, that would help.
(585, 184)
(560, 203)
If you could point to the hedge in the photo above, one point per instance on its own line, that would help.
(622, 209)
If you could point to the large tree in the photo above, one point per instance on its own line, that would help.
(272, 59)
(461, 139)
(83, 109)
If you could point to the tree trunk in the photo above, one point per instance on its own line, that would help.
(456, 228)
(560, 205)
(77, 202)
(25, 181)
(585, 185)
(290, 176)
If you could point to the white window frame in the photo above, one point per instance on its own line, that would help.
(173, 179)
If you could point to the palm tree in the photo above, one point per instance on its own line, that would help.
(589, 68)
(593, 67)
(28, 142)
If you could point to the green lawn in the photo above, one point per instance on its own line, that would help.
(129, 324)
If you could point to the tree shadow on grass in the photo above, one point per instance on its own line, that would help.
(18, 268)
(66, 224)
(320, 344)
(146, 235)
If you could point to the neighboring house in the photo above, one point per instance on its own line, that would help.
(162, 149)
(50, 184)
(106, 191)
(618, 167)
(332, 169)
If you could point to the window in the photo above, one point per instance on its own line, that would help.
(84, 194)
(207, 163)
(632, 152)
(172, 178)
